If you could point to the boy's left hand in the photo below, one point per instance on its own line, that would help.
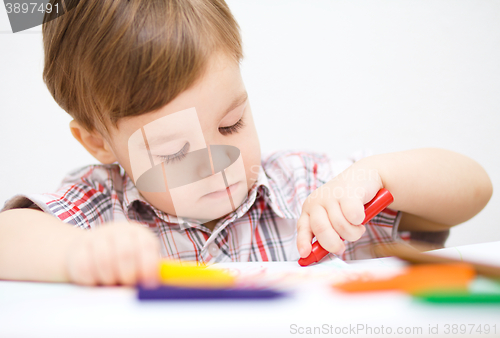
(336, 210)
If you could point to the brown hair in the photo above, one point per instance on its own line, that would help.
(108, 59)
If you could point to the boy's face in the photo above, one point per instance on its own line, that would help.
(197, 156)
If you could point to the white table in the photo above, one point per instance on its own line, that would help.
(30, 309)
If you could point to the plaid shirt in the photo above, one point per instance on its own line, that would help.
(262, 228)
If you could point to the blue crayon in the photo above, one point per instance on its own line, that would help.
(164, 292)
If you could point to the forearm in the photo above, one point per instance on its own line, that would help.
(34, 246)
(438, 185)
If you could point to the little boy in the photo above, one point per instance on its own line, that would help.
(156, 95)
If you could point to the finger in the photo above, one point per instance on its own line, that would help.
(322, 228)
(149, 260)
(104, 258)
(125, 253)
(304, 235)
(353, 210)
(346, 230)
(80, 264)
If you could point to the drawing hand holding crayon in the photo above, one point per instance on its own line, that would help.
(334, 212)
(381, 200)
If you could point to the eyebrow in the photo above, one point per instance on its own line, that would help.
(242, 97)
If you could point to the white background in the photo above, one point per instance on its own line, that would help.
(331, 76)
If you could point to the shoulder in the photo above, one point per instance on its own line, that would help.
(89, 194)
(293, 158)
(293, 175)
(297, 165)
(293, 161)
(104, 178)
(85, 197)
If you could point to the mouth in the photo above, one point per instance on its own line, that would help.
(221, 193)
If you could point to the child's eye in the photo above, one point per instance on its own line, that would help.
(178, 156)
(232, 129)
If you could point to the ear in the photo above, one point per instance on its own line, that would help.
(94, 142)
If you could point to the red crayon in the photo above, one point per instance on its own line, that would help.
(381, 200)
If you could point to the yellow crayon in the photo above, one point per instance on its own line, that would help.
(190, 274)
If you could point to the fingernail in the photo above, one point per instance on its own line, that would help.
(301, 252)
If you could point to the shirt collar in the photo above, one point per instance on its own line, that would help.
(261, 187)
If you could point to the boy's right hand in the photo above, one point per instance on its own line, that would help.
(116, 253)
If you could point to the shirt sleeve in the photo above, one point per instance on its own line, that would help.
(81, 200)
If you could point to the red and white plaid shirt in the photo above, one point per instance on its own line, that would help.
(263, 227)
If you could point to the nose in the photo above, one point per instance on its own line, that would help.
(204, 169)
(222, 156)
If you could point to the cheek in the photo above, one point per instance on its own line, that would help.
(251, 159)
(160, 200)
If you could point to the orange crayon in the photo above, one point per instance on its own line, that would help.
(418, 279)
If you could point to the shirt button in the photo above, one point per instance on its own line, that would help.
(213, 249)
